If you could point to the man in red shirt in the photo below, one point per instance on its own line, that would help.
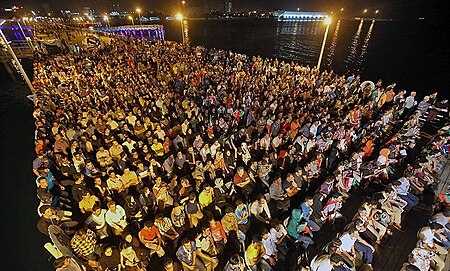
(151, 238)
(218, 234)
(242, 182)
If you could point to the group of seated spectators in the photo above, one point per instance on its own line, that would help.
(433, 240)
(186, 158)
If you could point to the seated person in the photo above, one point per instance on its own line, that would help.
(151, 238)
(260, 210)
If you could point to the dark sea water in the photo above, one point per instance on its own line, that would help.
(412, 53)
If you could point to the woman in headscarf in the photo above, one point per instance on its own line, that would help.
(246, 156)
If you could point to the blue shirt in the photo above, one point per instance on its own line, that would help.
(240, 213)
(49, 177)
(350, 79)
(186, 256)
(305, 210)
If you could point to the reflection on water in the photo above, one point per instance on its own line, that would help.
(359, 64)
(350, 60)
(186, 32)
(299, 41)
(332, 49)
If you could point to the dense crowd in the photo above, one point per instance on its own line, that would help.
(169, 157)
(433, 244)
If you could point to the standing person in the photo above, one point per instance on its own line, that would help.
(409, 104)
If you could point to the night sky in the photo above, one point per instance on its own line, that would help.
(388, 8)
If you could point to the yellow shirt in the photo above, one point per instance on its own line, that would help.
(205, 198)
(254, 253)
(158, 149)
(229, 222)
(129, 179)
(86, 204)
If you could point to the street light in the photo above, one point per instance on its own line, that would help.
(132, 20)
(327, 22)
(138, 10)
(183, 2)
(180, 18)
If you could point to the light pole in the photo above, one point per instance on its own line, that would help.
(132, 20)
(11, 51)
(365, 11)
(139, 15)
(180, 18)
(183, 2)
(342, 10)
(327, 22)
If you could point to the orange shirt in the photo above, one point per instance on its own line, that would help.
(148, 234)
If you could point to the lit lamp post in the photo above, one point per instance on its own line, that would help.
(365, 11)
(183, 2)
(138, 10)
(342, 10)
(180, 18)
(376, 12)
(132, 20)
(327, 22)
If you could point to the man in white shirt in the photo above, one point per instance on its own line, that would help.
(98, 220)
(427, 237)
(348, 240)
(260, 210)
(402, 186)
(321, 263)
(409, 102)
(279, 233)
(270, 247)
(277, 141)
(116, 217)
(129, 144)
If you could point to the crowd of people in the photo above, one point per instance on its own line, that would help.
(187, 158)
(433, 244)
